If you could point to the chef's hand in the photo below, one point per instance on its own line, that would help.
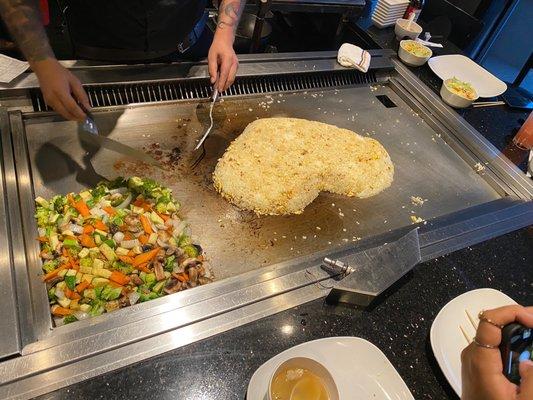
(481, 368)
(223, 62)
(61, 89)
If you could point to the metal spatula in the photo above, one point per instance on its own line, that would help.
(89, 132)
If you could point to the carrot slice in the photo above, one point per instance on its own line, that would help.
(128, 236)
(143, 239)
(82, 286)
(82, 208)
(71, 294)
(126, 259)
(42, 239)
(87, 241)
(164, 217)
(52, 274)
(110, 210)
(139, 201)
(70, 200)
(146, 224)
(144, 268)
(61, 311)
(145, 257)
(100, 225)
(119, 277)
(87, 229)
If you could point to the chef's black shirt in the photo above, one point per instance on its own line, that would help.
(150, 27)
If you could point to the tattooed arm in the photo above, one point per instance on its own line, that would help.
(23, 19)
(223, 62)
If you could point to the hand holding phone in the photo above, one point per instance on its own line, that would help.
(482, 367)
(516, 347)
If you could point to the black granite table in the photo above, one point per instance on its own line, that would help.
(220, 367)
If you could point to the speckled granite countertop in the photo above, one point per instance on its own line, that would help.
(220, 367)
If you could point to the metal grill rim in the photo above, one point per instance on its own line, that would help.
(130, 93)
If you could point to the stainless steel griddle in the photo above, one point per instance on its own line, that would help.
(262, 264)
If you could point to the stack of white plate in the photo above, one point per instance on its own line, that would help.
(388, 11)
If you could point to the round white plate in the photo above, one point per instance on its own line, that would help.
(447, 340)
(361, 371)
(463, 68)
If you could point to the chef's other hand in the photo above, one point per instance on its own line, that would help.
(223, 62)
(481, 368)
(61, 89)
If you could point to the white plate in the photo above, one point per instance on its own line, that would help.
(447, 340)
(463, 68)
(379, 14)
(361, 371)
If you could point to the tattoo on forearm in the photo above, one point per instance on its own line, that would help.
(230, 13)
(23, 19)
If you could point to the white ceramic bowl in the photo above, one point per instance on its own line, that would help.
(400, 29)
(453, 99)
(411, 59)
(315, 367)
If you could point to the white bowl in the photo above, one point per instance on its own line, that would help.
(400, 29)
(411, 59)
(315, 367)
(453, 99)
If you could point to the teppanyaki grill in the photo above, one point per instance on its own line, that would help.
(263, 265)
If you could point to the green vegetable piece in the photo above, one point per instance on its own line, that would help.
(110, 293)
(98, 292)
(70, 281)
(86, 262)
(42, 214)
(70, 243)
(158, 286)
(169, 263)
(97, 307)
(184, 241)
(191, 251)
(69, 318)
(149, 280)
(49, 266)
(111, 243)
(52, 295)
(123, 267)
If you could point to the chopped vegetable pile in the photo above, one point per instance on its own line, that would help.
(113, 246)
(463, 89)
(416, 49)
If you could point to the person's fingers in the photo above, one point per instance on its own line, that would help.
(525, 369)
(58, 107)
(213, 67)
(232, 73)
(489, 334)
(225, 66)
(79, 92)
(72, 107)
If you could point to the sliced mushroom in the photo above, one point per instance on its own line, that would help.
(189, 262)
(193, 274)
(136, 280)
(172, 286)
(159, 272)
(124, 301)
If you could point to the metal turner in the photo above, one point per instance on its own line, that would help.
(89, 132)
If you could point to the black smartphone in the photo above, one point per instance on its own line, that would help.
(516, 346)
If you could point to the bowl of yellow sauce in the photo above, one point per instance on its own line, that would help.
(302, 378)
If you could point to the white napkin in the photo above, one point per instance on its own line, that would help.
(352, 56)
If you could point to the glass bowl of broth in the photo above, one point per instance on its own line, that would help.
(302, 378)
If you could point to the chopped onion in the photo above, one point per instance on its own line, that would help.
(161, 227)
(97, 211)
(75, 228)
(118, 237)
(162, 243)
(42, 232)
(59, 294)
(80, 315)
(130, 244)
(133, 297)
(126, 201)
(178, 228)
